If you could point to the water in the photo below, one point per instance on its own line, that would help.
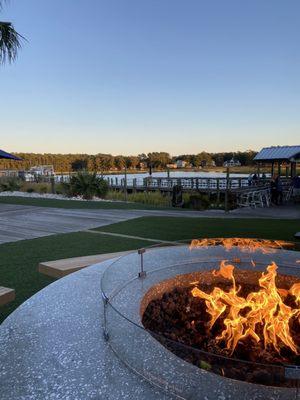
(174, 174)
(161, 174)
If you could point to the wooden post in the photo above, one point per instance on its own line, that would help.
(146, 181)
(218, 191)
(125, 183)
(52, 181)
(272, 169)
(279, 168)
(293, 169)
(227, 190)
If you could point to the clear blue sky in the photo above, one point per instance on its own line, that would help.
(132, 76)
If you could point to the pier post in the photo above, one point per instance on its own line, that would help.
(218, 191)
(125, 183)
(134, 184)
(52, 181)
(227, 191)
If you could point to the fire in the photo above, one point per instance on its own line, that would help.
(262, 315)
(244, 244)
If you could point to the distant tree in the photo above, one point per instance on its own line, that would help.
(245, 157)
(9, 40)
(131, 162)
(105, 162)
(128, 162)
(92, 163)
(119, 162)
(159, 159)
(195, 160)
(143, 157)
(79, 165)
(204, 158)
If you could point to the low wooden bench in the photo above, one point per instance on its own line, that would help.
(61, 268)
(6, 295)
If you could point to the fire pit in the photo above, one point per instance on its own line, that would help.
(223, 313)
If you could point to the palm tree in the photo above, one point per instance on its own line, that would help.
(9, 41)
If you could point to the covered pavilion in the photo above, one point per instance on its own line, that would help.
(279, 157)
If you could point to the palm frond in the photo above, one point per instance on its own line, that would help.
(9, 42)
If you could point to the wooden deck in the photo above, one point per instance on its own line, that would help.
(18, 222)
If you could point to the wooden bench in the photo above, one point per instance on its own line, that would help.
(61, 268)
(6, 295)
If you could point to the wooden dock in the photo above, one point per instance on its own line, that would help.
(165, 184)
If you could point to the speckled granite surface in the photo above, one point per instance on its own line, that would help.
(143, 353)
(52, 347)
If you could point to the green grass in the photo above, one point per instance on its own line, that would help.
(77, 204)
(19, 260)
(171, 228)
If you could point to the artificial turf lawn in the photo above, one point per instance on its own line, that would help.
(77, 204)
(173, 228)
(19, 260)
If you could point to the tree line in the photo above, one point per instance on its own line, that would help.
(106, 162)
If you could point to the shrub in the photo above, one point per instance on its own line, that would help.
(10, 184)
(59, 188)
(31, 187)
(153, 198)
(198, 201)
(85, 184)
(43, 189)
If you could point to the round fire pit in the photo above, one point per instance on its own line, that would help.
(161, 319)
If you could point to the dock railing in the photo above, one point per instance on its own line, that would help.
(187, 184)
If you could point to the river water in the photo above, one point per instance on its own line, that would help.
(161, 174)
(173, 174)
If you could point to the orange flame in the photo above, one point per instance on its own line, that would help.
(295, 291)
(262, 311)
(244, 244)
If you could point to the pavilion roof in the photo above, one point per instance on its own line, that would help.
(278, 153)
(8, 156)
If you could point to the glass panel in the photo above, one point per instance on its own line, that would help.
(171, 365)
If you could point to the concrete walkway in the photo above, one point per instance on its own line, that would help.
(18, 222)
